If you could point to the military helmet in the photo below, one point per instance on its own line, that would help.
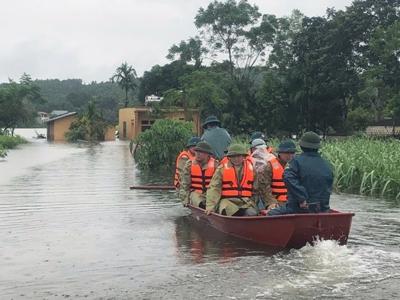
(257, 142)
(237, 149)
(257, 135)
(310, 140)
(209, 120)
(287, 146)
(193, 141)
(204, 147)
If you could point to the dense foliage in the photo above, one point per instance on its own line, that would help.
(331, 74)
(9, 142)
(89, 127)
(256, 71)
(17, 101)
(159, 145)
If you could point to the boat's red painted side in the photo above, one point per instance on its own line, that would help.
(286, 231)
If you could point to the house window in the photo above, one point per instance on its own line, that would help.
(146, 124)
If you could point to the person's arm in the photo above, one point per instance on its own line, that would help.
(180, 166)
(291, 177)
(186, 181)
(270, 200)
(214, 191)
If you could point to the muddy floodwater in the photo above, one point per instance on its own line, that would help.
(71, 228)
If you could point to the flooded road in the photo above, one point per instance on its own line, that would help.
(71, 228)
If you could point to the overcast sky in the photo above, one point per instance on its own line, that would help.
(88, 39)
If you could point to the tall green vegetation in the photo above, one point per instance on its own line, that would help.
(17, 100)
(285, 75)
(159, 145)
(365, 166)
(126, 78)
(9, 142)
(90, 126)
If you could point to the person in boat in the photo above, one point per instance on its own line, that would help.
(259, 135)
(196, 176)
(231, 188)
(183, 157)
(308, 179)
(277, 191)
(218, 138)
(260, 159)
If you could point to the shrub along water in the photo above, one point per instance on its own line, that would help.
(9, 142)
(160, 145)
(365, 166)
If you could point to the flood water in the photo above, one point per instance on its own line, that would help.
(71, 228)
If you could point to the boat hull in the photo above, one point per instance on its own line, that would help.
(285, 231)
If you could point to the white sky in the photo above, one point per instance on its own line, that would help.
(89, 39)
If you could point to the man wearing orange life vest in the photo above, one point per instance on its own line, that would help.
(274, 172)
(183, 157)
(231, 188)
(196, 176)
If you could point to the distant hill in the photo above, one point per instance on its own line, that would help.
(73, 95)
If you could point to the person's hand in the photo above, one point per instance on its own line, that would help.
(208, 212)
(264, 212)
(303, 204)
(274, 205)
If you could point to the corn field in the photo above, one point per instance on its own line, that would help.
(365, 166)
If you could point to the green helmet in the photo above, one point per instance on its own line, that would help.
(287, 146)
(193, 141)
(236, 149)
(310, 140)
(204, 147)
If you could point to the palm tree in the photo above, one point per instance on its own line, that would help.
(126, 77)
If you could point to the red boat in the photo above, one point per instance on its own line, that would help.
(285, 231)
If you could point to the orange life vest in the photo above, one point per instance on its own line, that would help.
(200, 179)
(183, 154)
(230, 186)
(278, 187)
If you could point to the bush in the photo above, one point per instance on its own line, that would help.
(10, 142)
(3, 152)
(160, 145)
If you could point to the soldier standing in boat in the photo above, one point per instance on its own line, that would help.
(231, 188)
(308, 178)
(196, 176)
(183, 157)
(218, 138)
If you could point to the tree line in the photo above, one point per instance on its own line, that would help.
(257, 71)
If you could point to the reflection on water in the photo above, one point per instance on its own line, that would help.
(198, 242)
(71, 228)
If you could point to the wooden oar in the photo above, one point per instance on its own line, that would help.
(152, 187)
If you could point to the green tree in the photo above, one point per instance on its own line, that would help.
(16, 103)
(90, 126)
(190, 51)
(126, 78)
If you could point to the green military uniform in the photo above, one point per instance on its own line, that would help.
(228, 205)
(186, 195)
